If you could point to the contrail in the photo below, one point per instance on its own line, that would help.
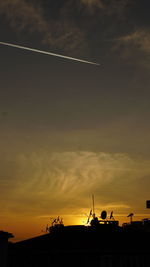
(49, 53)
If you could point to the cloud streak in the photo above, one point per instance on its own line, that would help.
(29, 17)
(135, 47)
(22, 15)
(48, 53)
(92, 4)
(65, 27)
(55, 182)
(108, 8)
(139, 39)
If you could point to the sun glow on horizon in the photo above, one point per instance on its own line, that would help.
(23, 228)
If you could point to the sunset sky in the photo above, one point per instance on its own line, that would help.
(68, 129)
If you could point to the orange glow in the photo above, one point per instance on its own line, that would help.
(24, 228)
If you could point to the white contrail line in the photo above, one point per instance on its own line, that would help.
(49, 53)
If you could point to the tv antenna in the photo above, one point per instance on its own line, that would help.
(93, 206)
(131, 216)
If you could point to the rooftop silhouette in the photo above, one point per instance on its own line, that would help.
(102, 242)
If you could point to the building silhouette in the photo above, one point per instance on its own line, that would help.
(103, 243)
(80, 246)
(4, 236)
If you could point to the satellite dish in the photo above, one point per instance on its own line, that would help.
(130, 215)
(103, 214)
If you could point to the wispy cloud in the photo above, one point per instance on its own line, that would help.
(91, 4)
(108, 8)
(29, 17)
(23, 15)
(135, 47)
(52, 182)
(66, 27)
(139, 39)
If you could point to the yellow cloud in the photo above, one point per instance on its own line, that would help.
(53, 182)
(38, 186)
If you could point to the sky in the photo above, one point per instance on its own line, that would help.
(68, 129)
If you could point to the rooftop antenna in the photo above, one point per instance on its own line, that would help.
(90, 214)
(111, 216)
(47, 228)
(130, 215)
(93, 206)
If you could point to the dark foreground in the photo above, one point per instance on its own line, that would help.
(77, 246)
